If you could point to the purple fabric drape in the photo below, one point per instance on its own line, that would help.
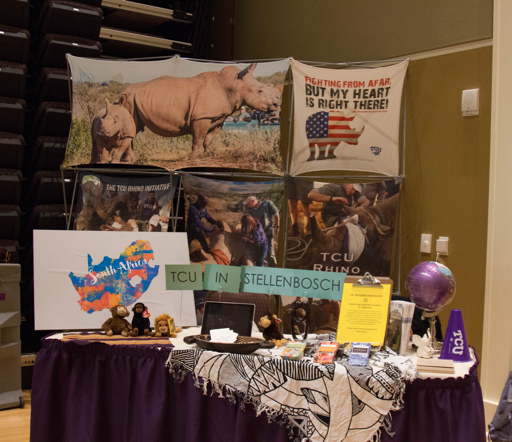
(101, 393)
(441, 410)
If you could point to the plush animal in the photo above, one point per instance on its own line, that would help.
(271, 332)
(164, 327)
(425, 349)
(140, 320)
(117, 325)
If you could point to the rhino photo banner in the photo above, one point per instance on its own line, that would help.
(114, 204)
(352, 230)
(233, 223)
(177, 114)
(343, 228)
(347, 119)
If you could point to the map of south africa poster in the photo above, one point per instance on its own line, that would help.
(79, 276)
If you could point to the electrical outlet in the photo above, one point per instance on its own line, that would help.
(442, 245)
(27, 360)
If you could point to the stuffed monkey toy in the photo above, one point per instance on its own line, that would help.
(140, 320)
(271, 332)
(117, 325)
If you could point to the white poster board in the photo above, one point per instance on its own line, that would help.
(79, 275)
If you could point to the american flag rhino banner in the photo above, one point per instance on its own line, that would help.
(347, 119)
(177, 114)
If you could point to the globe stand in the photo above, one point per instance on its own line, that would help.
(437, 346)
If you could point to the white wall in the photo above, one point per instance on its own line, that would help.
(497, 344)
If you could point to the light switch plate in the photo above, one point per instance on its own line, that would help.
(426, 243)
(470, 102)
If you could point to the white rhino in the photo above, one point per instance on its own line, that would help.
(172, 107)
(112, 132)
(237, 251)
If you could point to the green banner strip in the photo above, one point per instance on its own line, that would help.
(288, 282)
(267, 280)
(222, 278)
(183, 277)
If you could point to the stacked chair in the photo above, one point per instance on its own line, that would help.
(35, 114)
(150, 28)
(35, 118)
(14, 53)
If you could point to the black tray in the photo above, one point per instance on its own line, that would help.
(243, 344)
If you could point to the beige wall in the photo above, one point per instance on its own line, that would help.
(354, 30)
(447, 174)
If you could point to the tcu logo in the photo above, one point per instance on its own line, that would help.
(458, 343)
(376, 150)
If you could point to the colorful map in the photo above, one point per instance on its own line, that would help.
(116, 281)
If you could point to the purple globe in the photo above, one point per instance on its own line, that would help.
(431, 286)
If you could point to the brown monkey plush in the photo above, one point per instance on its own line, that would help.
(270, 331)
(164, 327)
(117, 325)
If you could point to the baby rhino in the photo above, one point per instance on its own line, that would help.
(112, 132)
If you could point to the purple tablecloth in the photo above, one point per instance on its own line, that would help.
(99, 393)
(441, 410)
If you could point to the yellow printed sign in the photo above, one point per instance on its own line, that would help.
(364, 313)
